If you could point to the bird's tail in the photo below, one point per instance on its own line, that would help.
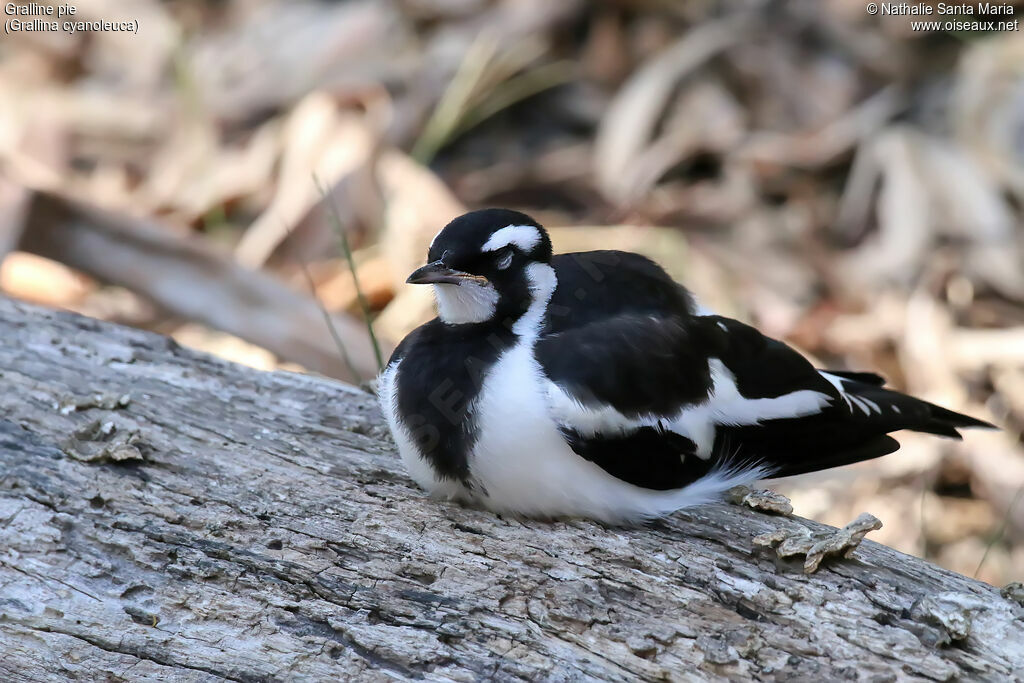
(958, 419)
(899, 411)
(854, 429)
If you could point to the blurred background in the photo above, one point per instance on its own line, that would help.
(840, 180)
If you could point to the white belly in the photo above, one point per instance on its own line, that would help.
(521, 459)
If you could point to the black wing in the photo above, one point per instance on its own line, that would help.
(854, 426)
(667, 378)
(637, 364)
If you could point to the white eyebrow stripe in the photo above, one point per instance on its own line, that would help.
(525, 237)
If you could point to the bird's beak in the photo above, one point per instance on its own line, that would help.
(437, 273)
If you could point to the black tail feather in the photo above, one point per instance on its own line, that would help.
(871, 378)
(956, 419)
(945, 422)
(802, 463)
(901, 411)
(855, 427)
(787, 453)
(939, 428)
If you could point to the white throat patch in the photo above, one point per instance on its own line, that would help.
(470, 302)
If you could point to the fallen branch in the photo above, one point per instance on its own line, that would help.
(185, 278)
(267, 531)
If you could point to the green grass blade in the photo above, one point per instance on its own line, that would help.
(364, 305)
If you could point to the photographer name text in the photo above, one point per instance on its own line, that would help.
(946, 16)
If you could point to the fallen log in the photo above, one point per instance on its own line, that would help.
(168, 516)
(185, 278)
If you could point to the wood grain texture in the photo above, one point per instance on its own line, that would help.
(263, 529)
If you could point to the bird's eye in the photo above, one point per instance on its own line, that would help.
(504, 258)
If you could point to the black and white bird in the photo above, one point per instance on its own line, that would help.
(591, 384)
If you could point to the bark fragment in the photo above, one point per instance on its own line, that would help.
(817, 547)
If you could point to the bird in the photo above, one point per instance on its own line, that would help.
(592, 385)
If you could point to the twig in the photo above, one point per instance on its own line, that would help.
(922, 522)
(360, 297)
(1002, 528)
(342, 351)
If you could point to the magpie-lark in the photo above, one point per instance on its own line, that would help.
(591, 384)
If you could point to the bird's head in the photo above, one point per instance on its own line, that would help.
(487, 264)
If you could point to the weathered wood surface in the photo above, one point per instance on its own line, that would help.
(269, 533)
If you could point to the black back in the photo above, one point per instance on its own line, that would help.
(598, 285)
